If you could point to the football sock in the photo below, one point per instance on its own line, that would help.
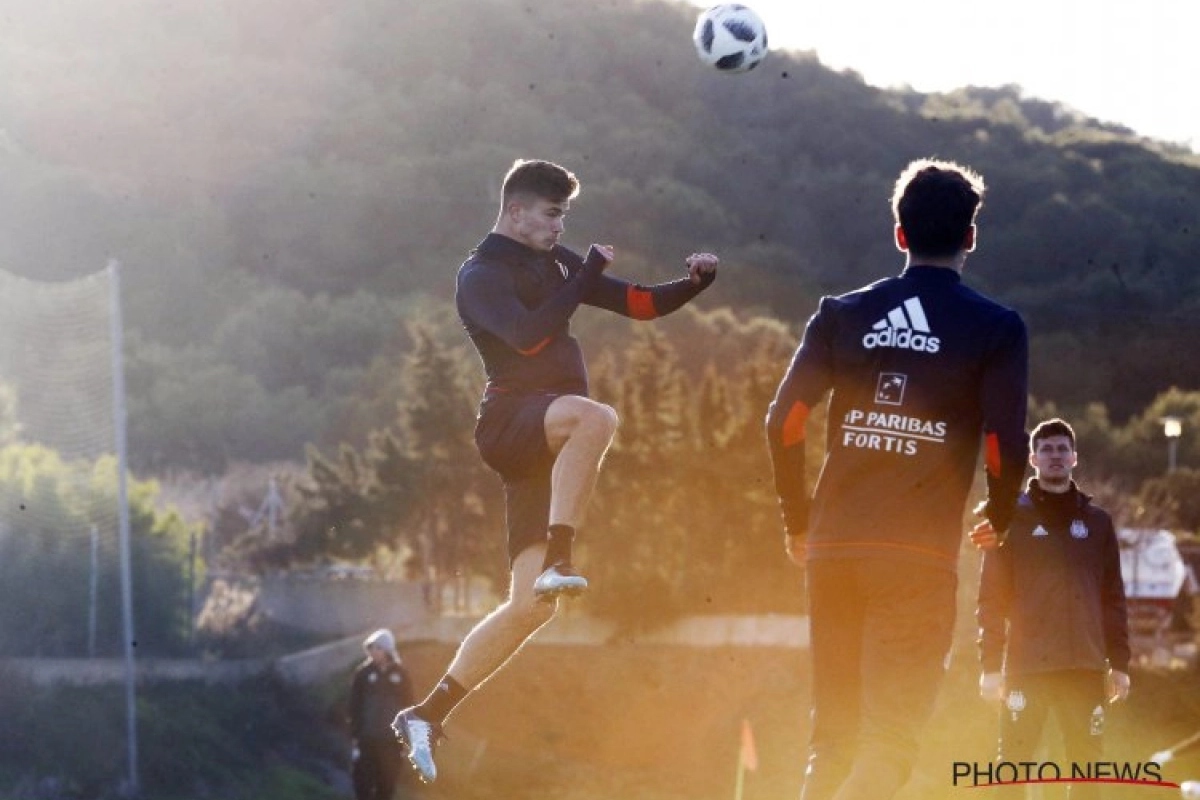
(558, 545)
(441, 701)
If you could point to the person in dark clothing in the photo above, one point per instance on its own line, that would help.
(919, 369)
(537, 428)
(379, 689)
(1053, 634)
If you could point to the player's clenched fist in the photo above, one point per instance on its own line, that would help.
(700, 265)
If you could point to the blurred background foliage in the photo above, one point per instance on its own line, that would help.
(286, 185)
(291, 186)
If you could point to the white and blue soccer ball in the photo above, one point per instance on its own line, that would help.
(731, 38)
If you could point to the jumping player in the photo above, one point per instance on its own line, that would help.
(919, 369)
(536, 426)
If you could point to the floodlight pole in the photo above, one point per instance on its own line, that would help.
(118, 370)
(1172, 429)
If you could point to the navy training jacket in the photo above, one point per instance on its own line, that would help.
(920, 370)
(516, 303)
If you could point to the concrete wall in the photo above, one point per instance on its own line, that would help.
(340, 607)
(319, 663)
(98, 671)
(771, 630)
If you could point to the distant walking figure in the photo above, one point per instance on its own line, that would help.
(379, 689)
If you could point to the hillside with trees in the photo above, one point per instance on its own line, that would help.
(286, 184)
(290, 187)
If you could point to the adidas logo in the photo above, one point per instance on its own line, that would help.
(1040, 531)
(906, 327)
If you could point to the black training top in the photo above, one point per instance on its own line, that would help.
(516, 305)
(921, 368)
(377, 694)
(1052, 597)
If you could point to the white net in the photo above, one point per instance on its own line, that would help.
(59, 566)
(56, 354)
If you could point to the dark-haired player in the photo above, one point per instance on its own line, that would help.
(1053, 632)
(536, 428)
(919, 370)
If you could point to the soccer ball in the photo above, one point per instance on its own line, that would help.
(730, 37)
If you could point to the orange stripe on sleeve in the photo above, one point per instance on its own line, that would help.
(793, 424)
(991, 444)
(537, 348)
(640, 303)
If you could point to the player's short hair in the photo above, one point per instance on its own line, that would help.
(935, 203)
(1051, 428)
(543, 180)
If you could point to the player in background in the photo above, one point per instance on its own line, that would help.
(379, 689)
(919, 370)
(1053, 634)
(536, 427)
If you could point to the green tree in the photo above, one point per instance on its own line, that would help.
(1170, 501)
(45, 558)
(455, 498)
(685, 518)
(417, 486)
(336, 517)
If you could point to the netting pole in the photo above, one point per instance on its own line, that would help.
(93, 589)
(118, 363)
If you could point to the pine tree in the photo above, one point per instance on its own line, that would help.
(456, 497)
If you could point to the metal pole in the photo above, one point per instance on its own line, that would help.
(118, 365)
(93, 585)
(1172, 447)
(274, 501)
(191, 593)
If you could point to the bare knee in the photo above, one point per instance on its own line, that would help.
(579, 418)
(523, 610)
(603, 420)
(532, 613)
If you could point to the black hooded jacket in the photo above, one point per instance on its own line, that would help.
(377, 694)
(1052, 598)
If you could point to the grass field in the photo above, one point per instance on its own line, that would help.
(641, 722)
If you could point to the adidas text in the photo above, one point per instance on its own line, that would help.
(904, 339)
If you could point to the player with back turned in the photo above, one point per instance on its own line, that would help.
(537, 427)
(919, 369)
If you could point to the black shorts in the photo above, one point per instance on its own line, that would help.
(511, 436)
